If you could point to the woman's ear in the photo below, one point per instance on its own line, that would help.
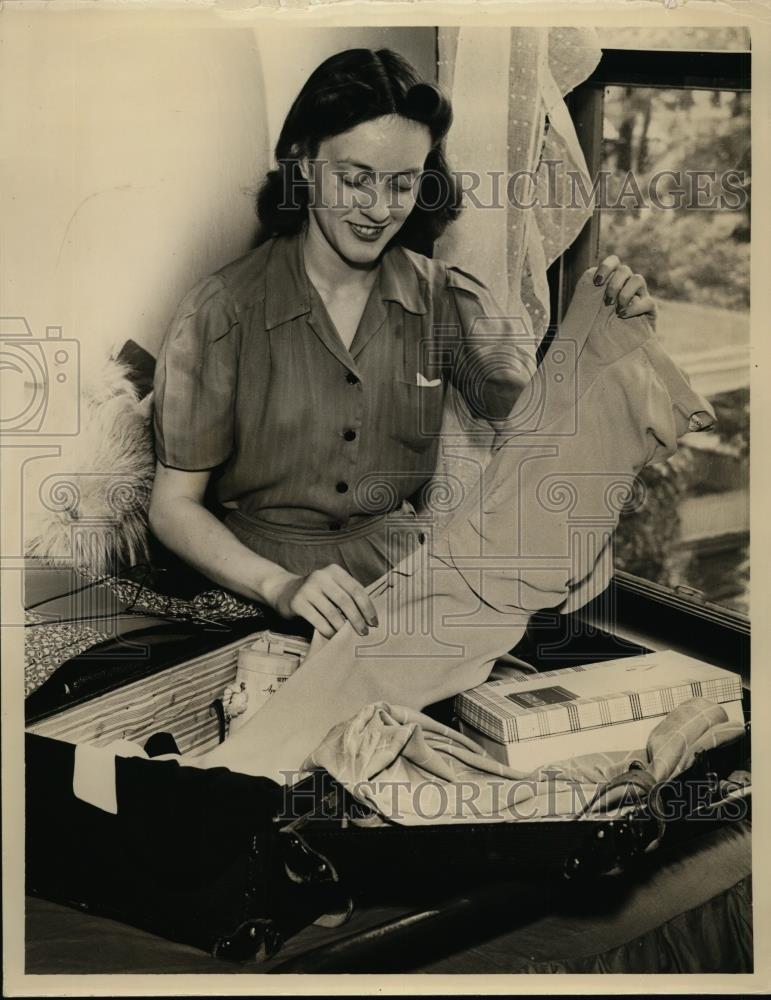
(303, 162)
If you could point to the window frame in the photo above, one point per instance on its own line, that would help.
(693, 70)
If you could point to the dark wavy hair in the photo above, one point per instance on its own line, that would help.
(349, 88)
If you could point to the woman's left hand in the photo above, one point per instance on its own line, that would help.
(627, 290)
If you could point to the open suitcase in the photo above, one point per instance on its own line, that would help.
(237, 865)
(213, 859)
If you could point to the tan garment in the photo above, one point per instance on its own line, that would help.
(535, 534)
(413, 770)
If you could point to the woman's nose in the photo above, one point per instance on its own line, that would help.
(375, 205)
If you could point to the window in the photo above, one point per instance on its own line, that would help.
(667, 154)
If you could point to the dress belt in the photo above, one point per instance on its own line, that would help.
(316, 534)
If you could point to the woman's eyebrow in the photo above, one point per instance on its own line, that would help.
(371, 170)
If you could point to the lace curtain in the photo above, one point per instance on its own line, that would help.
(514, 144)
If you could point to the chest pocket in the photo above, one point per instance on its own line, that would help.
(416, 413)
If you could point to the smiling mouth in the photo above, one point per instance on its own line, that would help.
(369, 233)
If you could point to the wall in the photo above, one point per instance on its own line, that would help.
(135, 142)
(130, 156)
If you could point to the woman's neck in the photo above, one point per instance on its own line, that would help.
(327, 269)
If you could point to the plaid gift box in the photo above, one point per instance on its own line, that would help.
(528, 720)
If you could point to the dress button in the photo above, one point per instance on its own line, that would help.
(342, 487)
(350, 435)
(351, 379)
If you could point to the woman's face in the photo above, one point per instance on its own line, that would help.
(364, 183)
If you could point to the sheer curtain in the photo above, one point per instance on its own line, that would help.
(514, 144)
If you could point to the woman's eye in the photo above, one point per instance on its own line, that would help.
(355, 180)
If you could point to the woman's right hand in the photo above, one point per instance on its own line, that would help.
(327, 598)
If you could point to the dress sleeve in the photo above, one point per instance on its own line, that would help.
(195, 379)
(494, 357)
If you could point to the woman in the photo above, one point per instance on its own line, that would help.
(304, 383)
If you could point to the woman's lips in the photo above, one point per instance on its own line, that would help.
(367, 234)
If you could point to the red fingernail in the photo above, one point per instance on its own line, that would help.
(598, 279)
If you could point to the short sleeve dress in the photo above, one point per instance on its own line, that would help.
(318, 452)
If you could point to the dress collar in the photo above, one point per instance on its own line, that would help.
(287, 291)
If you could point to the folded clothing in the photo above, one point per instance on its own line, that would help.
(413, 770)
